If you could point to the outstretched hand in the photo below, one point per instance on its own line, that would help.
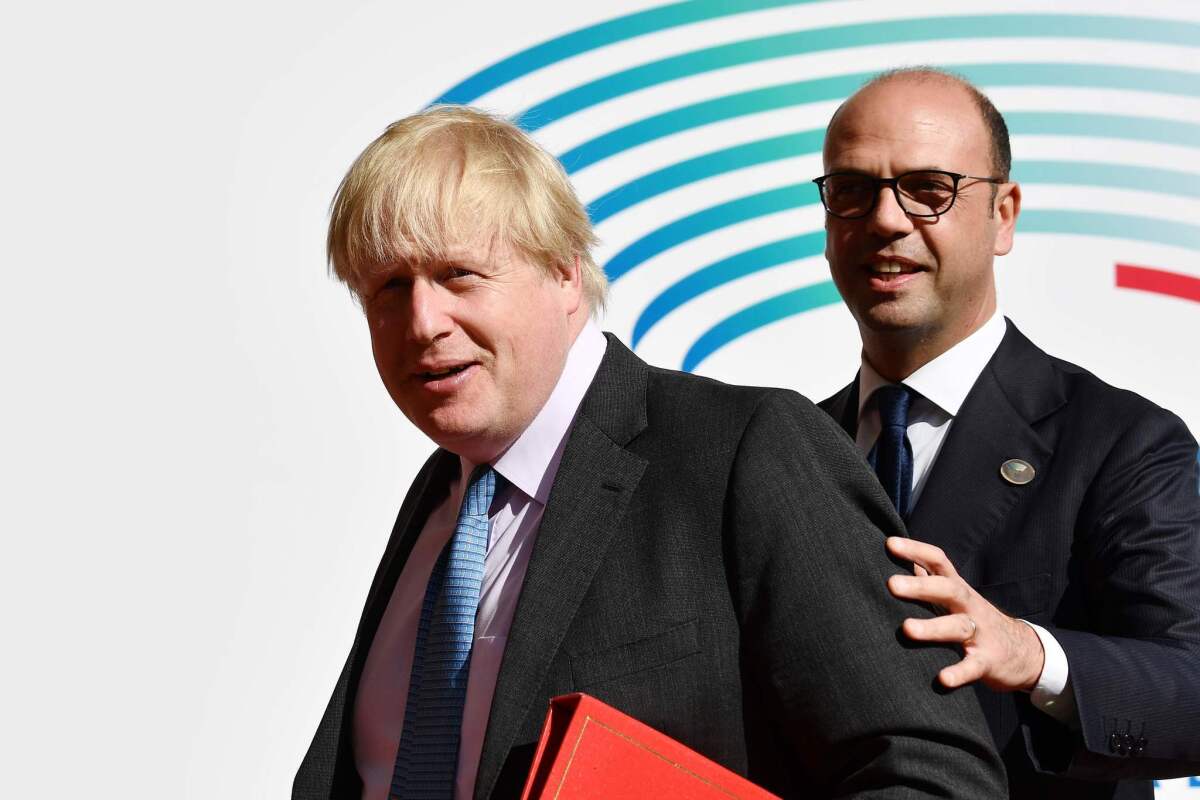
(1004, 653)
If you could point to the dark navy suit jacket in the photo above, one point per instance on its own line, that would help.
(1102, 548)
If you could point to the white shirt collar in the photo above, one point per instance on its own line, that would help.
(946, 380)
(531, 463)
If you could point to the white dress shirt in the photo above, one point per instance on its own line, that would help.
(529, 466)
(941, 386)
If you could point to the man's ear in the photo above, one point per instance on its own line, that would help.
(570, 281)
(1007, 209)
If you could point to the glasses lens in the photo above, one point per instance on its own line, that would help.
(926, 192)
(848, 195)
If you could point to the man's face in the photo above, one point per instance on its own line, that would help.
(470, 348)
(944, 288)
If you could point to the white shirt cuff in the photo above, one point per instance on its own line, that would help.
(1053, 695)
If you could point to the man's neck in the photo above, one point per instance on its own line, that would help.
(897, 354)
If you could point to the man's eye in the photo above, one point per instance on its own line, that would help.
(458, 273)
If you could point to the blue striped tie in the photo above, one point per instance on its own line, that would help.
(892, 457)
(427, 760)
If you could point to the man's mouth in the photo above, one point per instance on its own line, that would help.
(438, 374)
(443, 377)
(891, 272)
(892, 265)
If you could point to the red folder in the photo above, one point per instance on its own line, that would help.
(591, 750)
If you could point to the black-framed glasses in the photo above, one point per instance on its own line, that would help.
(920, 193)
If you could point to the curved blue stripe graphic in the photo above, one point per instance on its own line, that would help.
(601, 34)
(933, 29)
(1111, 226)
(1080, 173)
(793, 145)
(724, 271)
(986, 76)
(1055, 221)
(708, 220)
(757, 316)
(1108, 176)
(703, 166)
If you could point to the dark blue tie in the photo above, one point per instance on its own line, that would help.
(892, 456)
(427, 759)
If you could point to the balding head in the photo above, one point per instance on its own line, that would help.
(929, 78)
(917, 282)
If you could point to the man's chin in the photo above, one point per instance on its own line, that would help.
(891, 317)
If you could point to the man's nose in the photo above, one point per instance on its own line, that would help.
(429, 318)
(888, 219)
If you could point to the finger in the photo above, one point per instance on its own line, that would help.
(929, 556)
(969, 670)
(958, 628)
(950, 593)
(919, 571)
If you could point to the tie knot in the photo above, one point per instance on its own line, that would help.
(893, 401)
(480, 490)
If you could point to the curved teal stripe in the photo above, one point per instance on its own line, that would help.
(1075, 173)
(1085, 223)
(757, 316)
(1109, 176)
(599, 35)
(793, 43)
(1113, 176)
(793, 145)
(725, 271)
(772, 98)
(707, 220)
(704, 166)
(1113, 226)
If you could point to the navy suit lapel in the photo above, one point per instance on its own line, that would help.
(843, 407)
(595, 480)
(965, 499)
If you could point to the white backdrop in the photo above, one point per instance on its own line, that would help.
(201, 468)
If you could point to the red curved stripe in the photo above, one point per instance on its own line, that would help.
(1159, 281)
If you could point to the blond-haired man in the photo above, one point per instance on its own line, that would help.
(707, 558)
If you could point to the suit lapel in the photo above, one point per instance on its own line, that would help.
(843, 407)
(595, 480)
(965, 499)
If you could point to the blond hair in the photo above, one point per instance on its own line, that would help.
(452, 174)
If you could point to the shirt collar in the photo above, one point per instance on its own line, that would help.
(532, 461)
(946, 380)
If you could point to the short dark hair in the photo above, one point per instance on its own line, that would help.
(993, 121)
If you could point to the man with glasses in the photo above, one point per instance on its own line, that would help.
(1054, 519)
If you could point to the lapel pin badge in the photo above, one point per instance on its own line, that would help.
(1017, 471)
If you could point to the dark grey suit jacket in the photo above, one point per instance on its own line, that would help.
(710, 561)
(1102, 548)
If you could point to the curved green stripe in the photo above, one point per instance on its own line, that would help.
(599, 35)
(708, 220)
(757, 316)
(1055, 221)
(933, 29)
(986, 76)
(724, 271)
